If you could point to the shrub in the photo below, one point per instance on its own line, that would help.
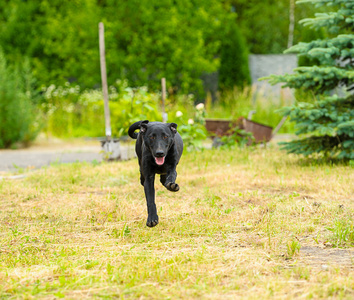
(71, 112)
(193, 131)
(18, 122)
(234, 70)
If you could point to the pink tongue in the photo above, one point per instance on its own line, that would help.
(160, 160)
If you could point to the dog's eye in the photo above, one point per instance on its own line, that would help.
(165, 137)
(152, 137)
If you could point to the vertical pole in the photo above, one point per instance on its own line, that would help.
(291, 23)
(104, 81)
(163, 96)
(282, 121)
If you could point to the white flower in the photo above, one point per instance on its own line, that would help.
(200, 106)
(190, 121)
(179, 114)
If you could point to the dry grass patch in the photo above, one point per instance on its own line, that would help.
(246, 223)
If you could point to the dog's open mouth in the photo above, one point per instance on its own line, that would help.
(160, 160)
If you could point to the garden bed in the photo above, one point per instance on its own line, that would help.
(218, 128)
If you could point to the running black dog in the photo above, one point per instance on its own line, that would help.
(159, 148)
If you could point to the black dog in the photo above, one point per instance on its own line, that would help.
(159, 147)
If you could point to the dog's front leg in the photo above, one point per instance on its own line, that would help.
(149, 189)
(170, 183)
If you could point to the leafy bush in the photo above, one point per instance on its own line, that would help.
(234, 69)
(72, 113)
(18, 122)
(145, 40)
(193, 131)
(131, 105)
(238, 138)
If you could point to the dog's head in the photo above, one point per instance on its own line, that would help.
(158, 138)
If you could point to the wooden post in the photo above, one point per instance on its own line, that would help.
(104, 81)
(282, 121)
(163, 96)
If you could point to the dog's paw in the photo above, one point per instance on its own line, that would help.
(172, 186)
(152, 222)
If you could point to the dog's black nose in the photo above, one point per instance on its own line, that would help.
(159, 154)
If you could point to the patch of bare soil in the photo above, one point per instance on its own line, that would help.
(324, 257)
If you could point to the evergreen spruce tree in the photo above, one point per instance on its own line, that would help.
(326, 126)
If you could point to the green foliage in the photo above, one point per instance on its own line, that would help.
(18, 122)
(310, 35)
(328, 123)
(327, 52)
(234, 70)
(340, 20)
(59, 37)
(179, 40)
(193, 136)
(238, 138)
(318, 79)
(194, 132)
(133, 105)
(180, 108)
(265, 24)
(145, 40)
(293, 248)
(342, 233)
(72, 113)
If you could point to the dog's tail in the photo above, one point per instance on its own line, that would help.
(134, 127)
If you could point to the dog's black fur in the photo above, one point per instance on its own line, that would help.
(159, 148)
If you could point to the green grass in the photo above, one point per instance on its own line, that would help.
(236, 229)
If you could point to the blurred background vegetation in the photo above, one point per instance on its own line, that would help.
(50, 73)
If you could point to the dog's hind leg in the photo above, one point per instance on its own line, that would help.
(142, 179)
(149, 189)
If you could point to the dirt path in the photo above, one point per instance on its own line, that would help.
(44, 155)
(47, 152)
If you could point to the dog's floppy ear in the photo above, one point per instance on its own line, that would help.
(143, 126)
(173, 127)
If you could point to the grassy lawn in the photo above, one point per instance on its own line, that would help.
(253, 224)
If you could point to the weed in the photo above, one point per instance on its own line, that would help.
(342, 233)
(19, 170)
(293, 247)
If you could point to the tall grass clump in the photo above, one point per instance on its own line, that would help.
(18, 121)
(342, 232)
